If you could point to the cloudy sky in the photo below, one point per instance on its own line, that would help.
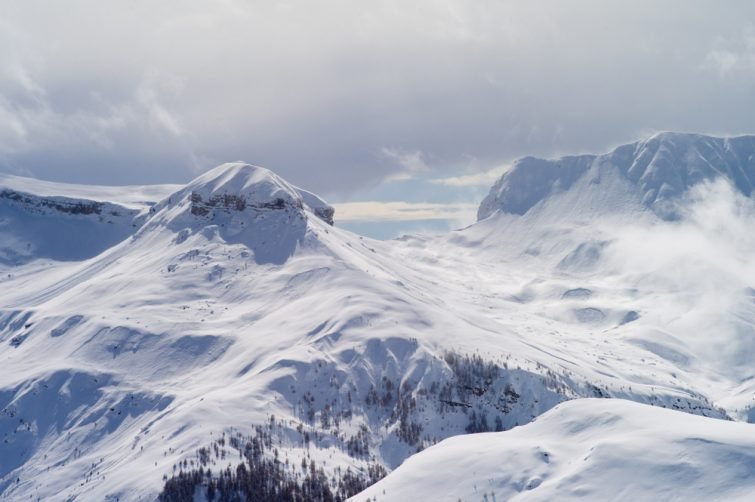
(403, 112)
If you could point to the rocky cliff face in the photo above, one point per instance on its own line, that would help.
(242, 188)
(51, 205)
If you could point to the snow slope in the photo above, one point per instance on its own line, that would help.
(591, 449)
(233, 299)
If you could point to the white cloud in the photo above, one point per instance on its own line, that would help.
(705, 261)
(412, 164)
(148, 95)
(404, 211)
(483, 179)
(734, 54)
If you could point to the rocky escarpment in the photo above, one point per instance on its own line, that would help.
(230, 202)
(65, 205)
(242, 188)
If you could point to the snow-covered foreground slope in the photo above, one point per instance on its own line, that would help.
(230, 312)
(591, 449)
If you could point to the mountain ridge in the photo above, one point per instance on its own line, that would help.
(660, 169)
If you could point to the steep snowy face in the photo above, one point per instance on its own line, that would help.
(241, 204)
(656, 172)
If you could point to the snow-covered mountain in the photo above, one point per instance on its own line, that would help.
(653, 173)
(149, 334)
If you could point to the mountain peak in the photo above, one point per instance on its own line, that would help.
(239, 203)
(655, 172)
(238, 187)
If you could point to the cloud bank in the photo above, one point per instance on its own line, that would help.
(704, 262)
(337, 96)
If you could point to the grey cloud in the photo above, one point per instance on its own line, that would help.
(140, 92)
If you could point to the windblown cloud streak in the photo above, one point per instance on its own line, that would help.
(404, 211)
